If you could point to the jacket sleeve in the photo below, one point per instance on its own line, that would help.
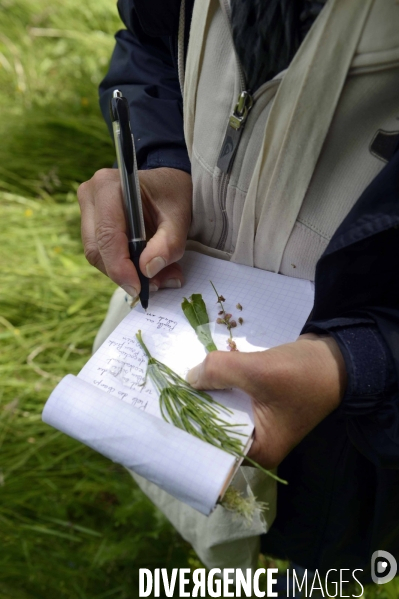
(357, 302)
(143, 68)
(372, 386)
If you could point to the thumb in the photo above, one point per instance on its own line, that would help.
(221, 370)
(164, 248)
(167, 195)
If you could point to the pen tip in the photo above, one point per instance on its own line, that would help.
(144, 303)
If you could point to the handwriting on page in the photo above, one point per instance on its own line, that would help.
(161, 322)
(122, 373)
(120, 365)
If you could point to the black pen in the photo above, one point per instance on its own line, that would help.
(126, 156)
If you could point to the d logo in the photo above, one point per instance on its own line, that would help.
(228, 147)
(383, 567)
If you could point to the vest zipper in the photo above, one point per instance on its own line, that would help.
(234, 129)
(227, 154)
(232, 136)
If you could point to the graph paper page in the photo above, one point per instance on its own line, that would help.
(182, 465)
(274, 309)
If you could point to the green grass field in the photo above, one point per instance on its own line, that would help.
(72, 524)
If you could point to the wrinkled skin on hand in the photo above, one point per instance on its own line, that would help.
(166, 196)
(293, 387)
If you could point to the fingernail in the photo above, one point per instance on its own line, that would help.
(172, 284)
(130, 290)
(154, 266)
(193, 375)
(153, 287)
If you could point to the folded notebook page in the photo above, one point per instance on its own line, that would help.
(107, 407)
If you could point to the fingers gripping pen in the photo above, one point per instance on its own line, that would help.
(126, 156)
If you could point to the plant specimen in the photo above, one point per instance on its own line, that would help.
(195, 311)
(194, 411)
(235, 502)
(226, 319)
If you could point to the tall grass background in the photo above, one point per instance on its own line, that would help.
(72, 524)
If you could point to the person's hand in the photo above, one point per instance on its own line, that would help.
(166, 195)
(293, 387)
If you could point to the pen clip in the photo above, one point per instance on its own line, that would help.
(120, 113)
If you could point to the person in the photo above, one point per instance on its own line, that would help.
(310, 191)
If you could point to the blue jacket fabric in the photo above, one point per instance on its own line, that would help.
(342, 500)
(144, 68)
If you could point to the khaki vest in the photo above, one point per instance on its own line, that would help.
(311, 142)
(308, 150)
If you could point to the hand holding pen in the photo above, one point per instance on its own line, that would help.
(166, 195)
(126, 157)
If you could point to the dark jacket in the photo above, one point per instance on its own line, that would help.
(342, 501)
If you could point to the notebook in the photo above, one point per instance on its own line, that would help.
(108, 408)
